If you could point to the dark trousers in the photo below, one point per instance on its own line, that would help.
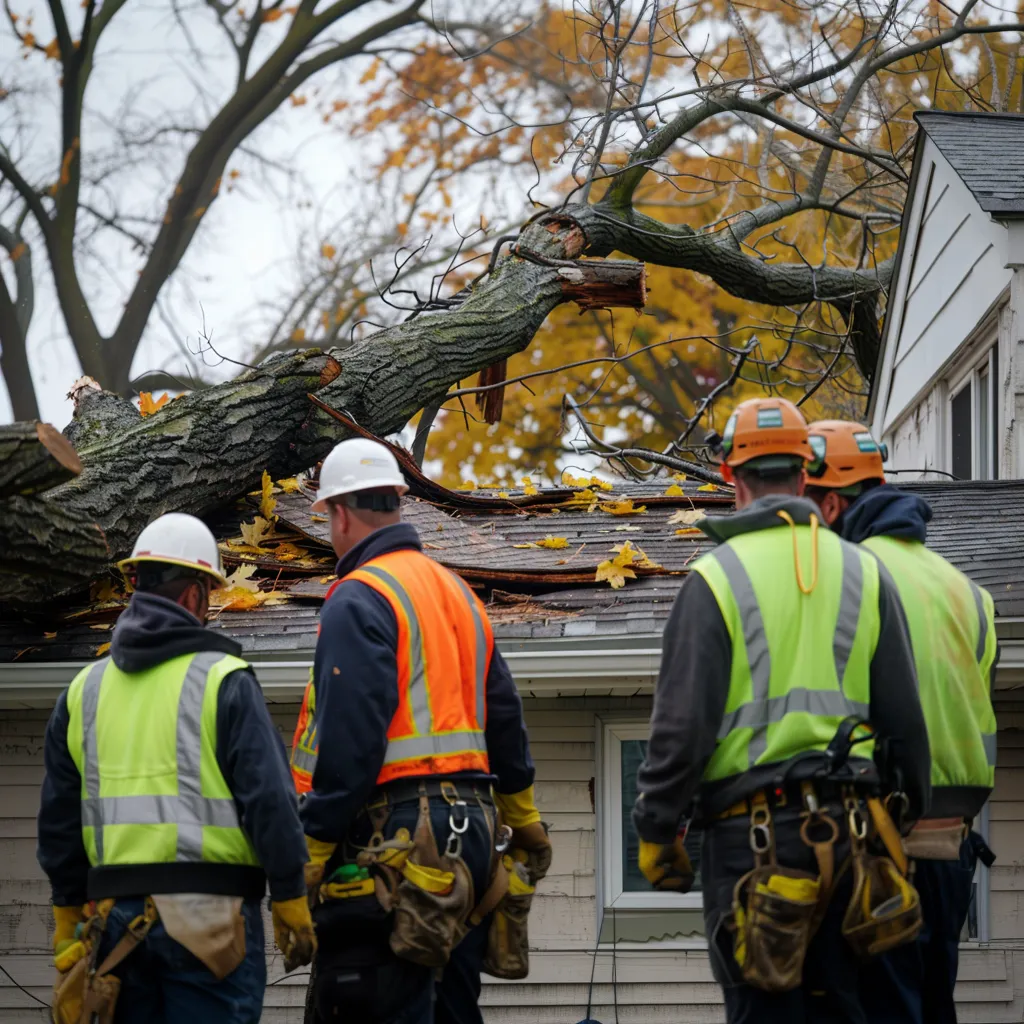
(358, 980)
(914, 983)
(163, 983)
(829, 993)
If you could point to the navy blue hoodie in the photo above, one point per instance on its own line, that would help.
(355, 677)
(884, 511)
(250, 755)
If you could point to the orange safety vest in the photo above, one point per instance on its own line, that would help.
(445, 645)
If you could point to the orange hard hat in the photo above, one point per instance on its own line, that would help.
(771, 430)
(845, 454)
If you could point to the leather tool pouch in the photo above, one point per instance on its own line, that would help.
(432, 901)
(508, 946)
(936, 839)
(885, 910)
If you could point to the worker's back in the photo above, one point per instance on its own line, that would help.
(953, 638)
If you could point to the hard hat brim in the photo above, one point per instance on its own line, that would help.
(320, 505)
(128, 563)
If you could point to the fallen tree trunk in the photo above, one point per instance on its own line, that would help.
(207, 447)
(34, 457)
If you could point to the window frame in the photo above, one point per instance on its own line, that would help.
(982, 367)
(610, 734)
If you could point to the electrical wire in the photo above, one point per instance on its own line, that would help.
(22, 988)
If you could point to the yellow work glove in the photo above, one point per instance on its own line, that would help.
(319, 854)
(67, 948)
(529, 833)
(666, 865)
(293, 931)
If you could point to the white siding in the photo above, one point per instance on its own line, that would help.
(653, 985)
(952, 271)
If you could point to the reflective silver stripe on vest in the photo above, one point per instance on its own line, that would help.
(989, 739)
(481, 653)
(754, 638)
(849, 609)
(419, 695)
(90, 759)
(303, 760)
(435, 746)
(979, 603)
(812, 702)
(189, 810)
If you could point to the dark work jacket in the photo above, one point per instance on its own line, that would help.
(693, 687)
(250, 754)
(886, 511)
(355, 678)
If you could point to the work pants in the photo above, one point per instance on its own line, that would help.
(828, 994)
(358, 980)
(914, 984)
(163, 983)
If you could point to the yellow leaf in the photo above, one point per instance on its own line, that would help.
(268, 502)
(328, 251)
(503, 494)
(239, 579)
(552, 543)
(52, 50)
(601, 485)
(685, 517)
(483, 222)
(529, 489)
(708, 487)
(318, 519)
(570, 481)
(467, 485)
(236, 599)
(616, 570)
(623, 508)
(582, 499)
(255, 532)
(297, 101)
(689, 531)
(678, 476)
(290, 485)
(102, 649)
(49, 636)
(370, 73)
(675, 491)
(148, 405)
(272, 15)
(636, 556)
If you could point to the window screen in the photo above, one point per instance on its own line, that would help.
(633, 752)
(961, 434)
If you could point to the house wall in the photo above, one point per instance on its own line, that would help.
(652, 983)
(952, 276)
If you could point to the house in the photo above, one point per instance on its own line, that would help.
(585, 657)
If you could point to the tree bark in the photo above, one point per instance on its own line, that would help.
(204, 449)
(34, 457)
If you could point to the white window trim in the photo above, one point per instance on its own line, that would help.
(982, 358)
(611, 733)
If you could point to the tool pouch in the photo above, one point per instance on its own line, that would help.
(508, 946)
(936, 839)
(432, 901)
(101, 999)
(69, 993)
(775, 914)
(885, 909)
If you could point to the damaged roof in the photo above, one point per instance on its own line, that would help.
(532, 592)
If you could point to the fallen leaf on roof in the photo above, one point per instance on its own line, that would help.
(601, 485)
(528, 485)
(553, 543)
(585, 499)
(327, 579)
(616, 570)
(627, 529)
(256, 531)
(690, 531)
(678, 476)
(318, 519)
(290, 485)
(100, 625)
(240, 577)
(105, 590)
(268, 502)
(708, 487)
(624, 507)
(50, 636)
(287, 551)
(637, 556)
(467, 485)
(102, 649)
(685, 516)
(149, 405)
(675, 491)
(503, 494)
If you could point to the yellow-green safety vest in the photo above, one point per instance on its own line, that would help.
(145, 744)
(953, 634)
(800, 662)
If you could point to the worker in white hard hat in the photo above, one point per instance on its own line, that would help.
(410, 748)
(167, 807)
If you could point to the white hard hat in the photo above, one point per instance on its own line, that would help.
(357, 465)
(177, 539)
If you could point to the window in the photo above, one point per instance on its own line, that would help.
(623, 745)
(974, 422)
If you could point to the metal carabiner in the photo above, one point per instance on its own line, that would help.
(464, 823)
(503, 839)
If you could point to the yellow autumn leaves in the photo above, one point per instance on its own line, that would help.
(615, 571)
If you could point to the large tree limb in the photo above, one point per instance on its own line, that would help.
(34, 457)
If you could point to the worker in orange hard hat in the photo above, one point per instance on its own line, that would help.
(952, 633)
(781, 640)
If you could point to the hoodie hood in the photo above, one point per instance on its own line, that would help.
(762, 514)
(153, 629)
(885, 511)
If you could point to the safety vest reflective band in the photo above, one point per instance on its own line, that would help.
(304, 742)
(445, 646)
(953, 635)
(800, 662)
(145, 744)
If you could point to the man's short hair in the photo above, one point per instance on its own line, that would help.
(772, 472)
(378, 499)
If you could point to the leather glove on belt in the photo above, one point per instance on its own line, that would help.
(666, 865)
(293, 931)
(319, 854)
(529, 843)
(68, 949)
